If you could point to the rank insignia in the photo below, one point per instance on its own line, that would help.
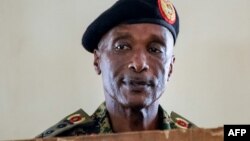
(181, 123)
(75, 118)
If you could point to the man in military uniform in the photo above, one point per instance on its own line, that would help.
(132, 43)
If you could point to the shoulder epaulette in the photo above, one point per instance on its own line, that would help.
(77, 118)
(180, 121)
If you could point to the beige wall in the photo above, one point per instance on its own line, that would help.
(45, 74)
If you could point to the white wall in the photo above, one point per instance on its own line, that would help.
(45, 74)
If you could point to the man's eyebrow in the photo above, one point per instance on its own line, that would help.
(122, 35)
(153, 37)
(118, 35)
(160, 39)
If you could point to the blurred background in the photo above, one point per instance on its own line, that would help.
(45, 74)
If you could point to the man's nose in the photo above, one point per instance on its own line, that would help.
(138, 63)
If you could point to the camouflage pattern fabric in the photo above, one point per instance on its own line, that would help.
(80, 123)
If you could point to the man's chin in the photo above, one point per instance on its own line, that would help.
(135, 105)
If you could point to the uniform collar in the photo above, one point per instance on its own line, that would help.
(102, 117)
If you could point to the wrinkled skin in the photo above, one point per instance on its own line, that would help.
(135, 61)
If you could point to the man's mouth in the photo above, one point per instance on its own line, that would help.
(138, 85)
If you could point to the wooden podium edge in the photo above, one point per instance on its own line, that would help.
(195, 134)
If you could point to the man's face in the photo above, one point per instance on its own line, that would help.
(135, 61)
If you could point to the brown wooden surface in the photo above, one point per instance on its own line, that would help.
(198, 134)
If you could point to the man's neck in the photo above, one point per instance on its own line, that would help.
(133, 119)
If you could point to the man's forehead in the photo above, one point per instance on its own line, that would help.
(143, 29)
(127, 32)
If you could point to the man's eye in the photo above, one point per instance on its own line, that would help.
(122, 47)
(154, 50)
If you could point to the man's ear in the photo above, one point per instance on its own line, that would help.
(97, 61)
(171, 65)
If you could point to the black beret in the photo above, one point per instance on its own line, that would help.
(160, 12)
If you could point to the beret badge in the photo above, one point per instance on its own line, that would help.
(167, 11)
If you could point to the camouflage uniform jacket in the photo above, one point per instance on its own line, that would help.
(80, 123)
